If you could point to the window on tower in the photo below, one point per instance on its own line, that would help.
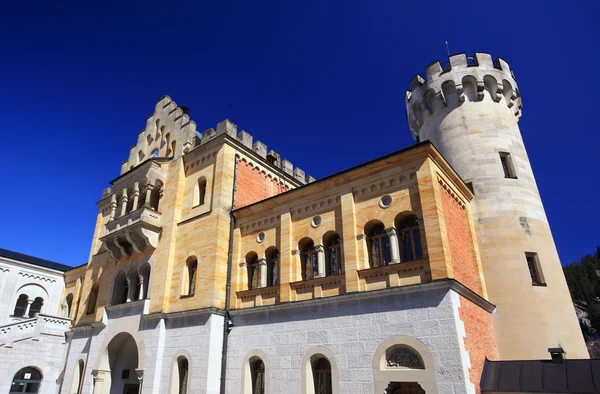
(155, 153)
(507, 165)
(535, 271)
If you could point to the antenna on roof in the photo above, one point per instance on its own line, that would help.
(447, 49)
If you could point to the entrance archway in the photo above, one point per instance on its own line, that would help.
(27, 380)
(117, 368)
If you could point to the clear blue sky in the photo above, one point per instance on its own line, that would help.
(320, 82)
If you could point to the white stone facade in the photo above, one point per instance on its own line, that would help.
(159, 341)
(31, 341)
(351, 333)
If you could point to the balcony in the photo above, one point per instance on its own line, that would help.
(132, 232)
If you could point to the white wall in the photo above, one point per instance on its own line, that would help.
(16, 277)
(351, 332)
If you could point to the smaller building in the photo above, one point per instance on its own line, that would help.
(33, 322)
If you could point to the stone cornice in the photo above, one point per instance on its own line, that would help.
(442, 284)
(193, 312)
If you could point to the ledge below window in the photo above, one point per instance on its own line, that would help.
(400, 274)
(258, 297)
(325, 286)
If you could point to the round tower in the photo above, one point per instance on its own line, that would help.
(470, 111)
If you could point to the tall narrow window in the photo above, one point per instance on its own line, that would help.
(189, 285)
(145, 281)
(183, 369)
(68, 304)
(409, 239)
(154, 153)
(333, 260)
(272, 255)
(322, 376)
(507, 165)
(378, 243)
(21, 305)
(309, 257)
(258, 377)
(533, 264)
(200, 192)
(91, 305)
(253, 270)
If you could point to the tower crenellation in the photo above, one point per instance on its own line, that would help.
(474, 78)
(470, 111)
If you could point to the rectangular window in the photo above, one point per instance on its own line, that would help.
(507, 165)
(533, 264)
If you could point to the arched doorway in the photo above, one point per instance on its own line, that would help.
(118, 367)
(27, 380)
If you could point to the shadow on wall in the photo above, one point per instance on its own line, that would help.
(314, 311)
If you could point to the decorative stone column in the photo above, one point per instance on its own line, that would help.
(262, 263)
(320, 260)
(296, 262)
(142, 284)
(136, 196)
(362, 238)
(148, 197)
(29, 302)
(394, 247)
(129, 289)
(99, 376)
(113, 206)
(124, 200)
(244, 275)
(140, 376)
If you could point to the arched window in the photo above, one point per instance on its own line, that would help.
(168, 144)
(200, 192)
(322, 376)
(21, 305)
(69, 304)
(189, 283)
(309, 257)
(378, 244)
(333, 254)
(154, 153)
(91, 305)
(272, 255)
(36, 306)
(27, 380)
(145, 280)
(257, 369)
(253, 270)
(409, 238)
(120, 290)
(76, 384)
(173, 146)
(403, 357)
(180, 376)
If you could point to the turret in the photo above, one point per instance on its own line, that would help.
(470, 111)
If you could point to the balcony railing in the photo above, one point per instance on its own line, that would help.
(133, 231)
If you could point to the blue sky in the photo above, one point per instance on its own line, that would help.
(322, 82)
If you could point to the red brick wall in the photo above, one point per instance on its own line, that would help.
(460, 241)
(253, 186)
(480, 340)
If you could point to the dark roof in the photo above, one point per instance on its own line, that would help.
(541, 376)
(9, 254)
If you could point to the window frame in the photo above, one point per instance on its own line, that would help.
(372, 238)
(410, 233)
(507, 165)
(535, 269)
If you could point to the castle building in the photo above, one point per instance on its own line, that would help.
(216, 266)
(33, 322)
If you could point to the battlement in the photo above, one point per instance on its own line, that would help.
(463, 79)
(259, 148)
